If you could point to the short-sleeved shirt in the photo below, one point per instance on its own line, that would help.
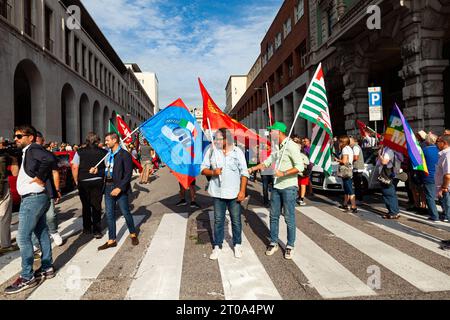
(349, 152)
(291, 159)
(233, 167)
(388, 154)
(431, 154)
(442, 168)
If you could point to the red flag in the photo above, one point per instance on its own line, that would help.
(124, 130)
(219, 119)
(365, 131)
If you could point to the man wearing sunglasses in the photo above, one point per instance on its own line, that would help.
(35, 170)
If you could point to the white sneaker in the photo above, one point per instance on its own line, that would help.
(238, 251)
(215, 254)
(57, 239)
(302, 203)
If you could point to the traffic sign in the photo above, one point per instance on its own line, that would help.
(375, 104)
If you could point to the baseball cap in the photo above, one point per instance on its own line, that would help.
(279, 126)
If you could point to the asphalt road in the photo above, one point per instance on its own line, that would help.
(338, 255)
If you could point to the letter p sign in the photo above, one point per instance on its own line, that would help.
(375, 99)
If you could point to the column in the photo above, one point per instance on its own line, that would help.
(288, 111)
(355, 78)
(278, 111)
(423, 67)
(300, 124)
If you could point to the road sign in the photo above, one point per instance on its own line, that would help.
(375, 104)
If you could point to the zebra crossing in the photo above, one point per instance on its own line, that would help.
(159, 272)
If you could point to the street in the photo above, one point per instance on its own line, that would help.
(338, 255)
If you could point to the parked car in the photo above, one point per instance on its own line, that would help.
(65, 170)
(334, 183)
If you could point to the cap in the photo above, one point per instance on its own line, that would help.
(279, 126)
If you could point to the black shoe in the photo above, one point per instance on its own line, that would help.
(47, 274)
(98, 235)
(195, 205)
(87, 231)
(343, 207)
(354, 210)
(134, 241)
(107, 246)
(21, 285)
(181, 203)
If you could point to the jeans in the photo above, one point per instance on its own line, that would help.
(286, 198)
(348, 186)
(390, 199)
(110, 204)
(32, 218)
(90, 193)
(220, 208)
(52, 222)
(266, 181)
(430, 197)
(445, 203)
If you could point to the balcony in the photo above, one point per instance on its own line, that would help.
(5, 11)
(29, 28)
(49, 44)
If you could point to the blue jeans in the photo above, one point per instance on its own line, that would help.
(110, 205)
(445, 203)
(283, 198)
(32, 219)
(266, 181)
(390, 199)
(348, 186)
(430, 198)
(220, 208)
(52, 222)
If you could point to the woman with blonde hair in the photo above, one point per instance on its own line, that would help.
(346, 172)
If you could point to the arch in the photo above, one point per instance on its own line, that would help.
(114, 118)
(85, 117)
(69, 115)
(29, 97)
(105, 121)
(97, 119)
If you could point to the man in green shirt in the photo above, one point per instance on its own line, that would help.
(285, 187)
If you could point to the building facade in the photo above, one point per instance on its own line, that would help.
(236, 87)
(407, 55)
(149, 82)
(282, 65)
(60, 75)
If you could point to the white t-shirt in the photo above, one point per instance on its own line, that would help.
(349, 152)
(388, 154)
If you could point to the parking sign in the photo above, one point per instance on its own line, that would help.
(375, 104)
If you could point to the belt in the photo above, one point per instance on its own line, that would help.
(33, 194)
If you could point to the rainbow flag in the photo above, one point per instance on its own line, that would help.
(400, 137)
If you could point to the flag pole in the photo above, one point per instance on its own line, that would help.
(269, 110)
(277, 167)
(121, 141)
(213, 144)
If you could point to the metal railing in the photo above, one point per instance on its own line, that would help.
(29, 28)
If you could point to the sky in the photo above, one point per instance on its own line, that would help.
(183, 40)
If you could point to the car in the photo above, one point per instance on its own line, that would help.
(334, 183)
(66, 182)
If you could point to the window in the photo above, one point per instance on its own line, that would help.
(330, 22)
(299, 10)
(264, 59)
(83, 60)
(90, 66)
(4, 8)
(287, 27)
(270, 52)
(29, 27)
(75, 49)
(48, 17)
(278, 41)
(67, 43)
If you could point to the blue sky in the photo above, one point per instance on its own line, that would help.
(183, 40)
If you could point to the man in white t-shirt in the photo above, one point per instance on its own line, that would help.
(387, 157)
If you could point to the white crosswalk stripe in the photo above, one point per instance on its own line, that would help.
(10, 263)
(74, 279)
(159, 274)
(244, 278)
(419, 274)
(325, 274)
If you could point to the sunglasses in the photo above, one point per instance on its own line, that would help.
(20, 136)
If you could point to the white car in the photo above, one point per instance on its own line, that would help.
(334, 183)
